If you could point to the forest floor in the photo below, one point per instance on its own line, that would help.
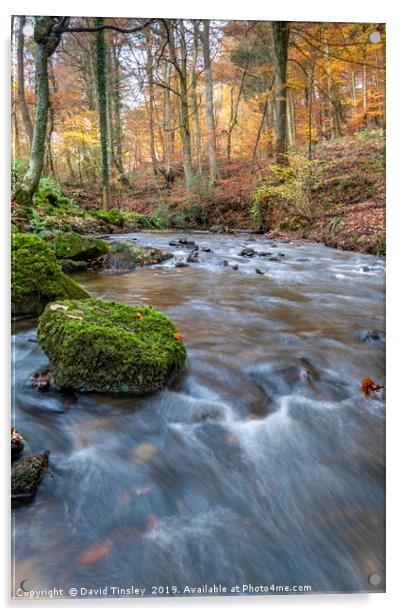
(348, 208)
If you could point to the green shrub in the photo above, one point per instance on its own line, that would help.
(18, 169)
(336, 222)
(134, 219)
(380, 245)
(290, 224)
(162, 217)
(290, 187)
(112, 217)
(378, 160)
(368, 133)
(50, 196)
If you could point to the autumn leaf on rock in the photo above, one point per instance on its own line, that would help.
(368, 386)
(15, 436)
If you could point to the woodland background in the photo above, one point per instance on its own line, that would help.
(277, 125)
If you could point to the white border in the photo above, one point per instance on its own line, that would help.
(303, 10)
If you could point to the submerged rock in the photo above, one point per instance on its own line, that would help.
(106, 346)
(220, 229)
(17, 444)
(25, 477)
(36, 277)
(42, 379)
(247, 252)
(370, 335)
(185, 242)
(193, 257)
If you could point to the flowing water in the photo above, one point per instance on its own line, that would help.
(262, 464)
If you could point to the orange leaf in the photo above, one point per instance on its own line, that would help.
(177, 336)
(95, 552)
(368, 385)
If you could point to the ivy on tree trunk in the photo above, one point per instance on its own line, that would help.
(280, 32)
(100, 47)
(47, 41)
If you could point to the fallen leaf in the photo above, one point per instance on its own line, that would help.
(368, 386)
(95, 552)
(139, 315)
(177, 336)
(15, 436)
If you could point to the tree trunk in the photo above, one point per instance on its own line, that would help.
(46, 43)
(151, 102)
(102, 110)
(181, 70)
(167, 124)
(51, 123)
(280, 31)
(261, 125)
(21, 83)
(194, 100)
(116, 113)
(209, 104)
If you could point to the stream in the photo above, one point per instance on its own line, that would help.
(262, 464)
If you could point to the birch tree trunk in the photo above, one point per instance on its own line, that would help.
(194, 100)
(151, 103)
(21, 83)
(167, 124)
(209, 104)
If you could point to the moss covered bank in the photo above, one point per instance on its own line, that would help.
(36, 277)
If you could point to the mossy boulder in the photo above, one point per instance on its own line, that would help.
(75, 247)
(106, 346)
(124, 255)
(36, 277)
(26, 474)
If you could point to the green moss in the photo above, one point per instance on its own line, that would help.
(36, 277)
(112, 217)
(136, 220)
(25, 211)
(125, 255)
(75, 247)
(290, 224)
(104, 346)
(69, 265)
